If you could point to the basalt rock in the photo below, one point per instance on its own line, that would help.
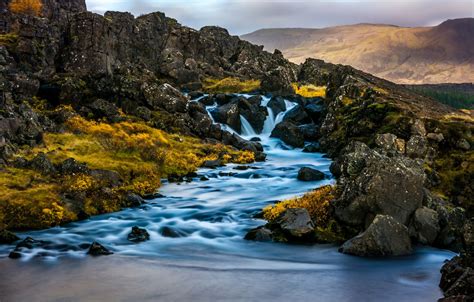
(457, 278)
(425, 225)
(297, 115)
(277, 104)
(289, 133)
(97, 249)
(259, 234)
(310, 174)
(296, 224)
(373, 184)
(384, 237)
(138, 235)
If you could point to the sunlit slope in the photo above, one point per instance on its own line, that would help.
(441, 54)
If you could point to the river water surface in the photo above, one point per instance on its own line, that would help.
(207, 258)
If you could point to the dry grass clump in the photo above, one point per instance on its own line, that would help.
(139, 154)
(309, 91)
(317, 203)
(230, 85)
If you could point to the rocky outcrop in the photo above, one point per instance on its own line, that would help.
(384, 237)
(374, 184)
(425, 225)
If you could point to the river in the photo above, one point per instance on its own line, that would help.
(207, 258)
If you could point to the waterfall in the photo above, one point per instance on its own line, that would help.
(269, 124)
(247, 129)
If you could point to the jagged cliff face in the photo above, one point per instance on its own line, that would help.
(117, 53)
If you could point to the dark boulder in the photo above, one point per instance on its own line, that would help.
(310, 174)
(42, 164)
(373, 183)
(295, 224)
(212, 164)
(251, 110)
(315, 111)
(103, 109)
(277, 104)
(289, 133)
(384, 237)
(259, 234)
(297, 115)
(71, 166)
(417, 146)
(310, 132)
(425, 225)
(7, 237)
(138, 235)
(457, 278)
(165, 97)
(96, 249)
(228, 114)
(312, 148)
(133, 200)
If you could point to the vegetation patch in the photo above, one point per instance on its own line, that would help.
(138, 155)
(309, 90)
(230, 85)
(9, 40)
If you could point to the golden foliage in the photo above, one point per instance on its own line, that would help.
(316, 202)
(309, 91)
(27, 7)
(230, 85)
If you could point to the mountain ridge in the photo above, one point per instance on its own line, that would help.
(405, 55)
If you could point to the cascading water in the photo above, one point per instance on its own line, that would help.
(197, 230)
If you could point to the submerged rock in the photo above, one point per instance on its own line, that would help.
(310, 174)
(171, 232)
(259, 234)
(27, 244)
(384, 237)
(96, 249)
(138, 235)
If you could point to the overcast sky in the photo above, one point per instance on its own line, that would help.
(243, 16)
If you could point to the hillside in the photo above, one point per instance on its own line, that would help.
(423, 55)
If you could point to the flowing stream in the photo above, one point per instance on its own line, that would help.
(197, 252)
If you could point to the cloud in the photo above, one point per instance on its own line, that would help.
(242, 16)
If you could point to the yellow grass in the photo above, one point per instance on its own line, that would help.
(230, 85)
(309, 91)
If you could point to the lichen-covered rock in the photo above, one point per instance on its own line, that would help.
(166, 97)
(384, 237)
(417, 146)
(373, 183)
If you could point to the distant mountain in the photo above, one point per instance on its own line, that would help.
(421, 55)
